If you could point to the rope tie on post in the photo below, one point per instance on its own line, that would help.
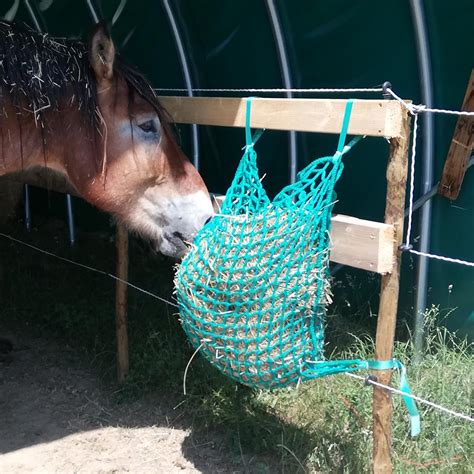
(415, 110)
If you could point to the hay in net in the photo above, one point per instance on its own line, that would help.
(252, 291)
(249, 302)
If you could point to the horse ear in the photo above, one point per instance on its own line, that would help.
(102, 54)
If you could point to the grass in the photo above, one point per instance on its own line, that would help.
(322, 426)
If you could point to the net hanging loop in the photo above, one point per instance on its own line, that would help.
(249, 139)
(345, 126)
(255, 286)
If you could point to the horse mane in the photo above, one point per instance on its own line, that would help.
(38, 73)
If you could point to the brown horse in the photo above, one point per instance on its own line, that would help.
(81, 111)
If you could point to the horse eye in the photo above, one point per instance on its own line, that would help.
(148, 126)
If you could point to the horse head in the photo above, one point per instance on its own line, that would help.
(83, 112)
(145, 181)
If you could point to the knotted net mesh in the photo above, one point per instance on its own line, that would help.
(253, 290)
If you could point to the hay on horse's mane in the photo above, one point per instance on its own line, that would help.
(38, 73)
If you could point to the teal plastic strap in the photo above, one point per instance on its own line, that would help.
(404, 387)
(381, 364)
(249, 139)
(345, 125)
(341, 147)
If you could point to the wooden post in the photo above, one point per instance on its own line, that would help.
(394, 214)
(460, 149)
(121, 303)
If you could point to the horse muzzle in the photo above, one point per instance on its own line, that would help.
(183, 225)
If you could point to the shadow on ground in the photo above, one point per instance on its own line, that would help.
(58, 414)
(60, 408)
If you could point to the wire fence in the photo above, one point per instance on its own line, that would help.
(413, 109)
(355, 90)
(174, 305)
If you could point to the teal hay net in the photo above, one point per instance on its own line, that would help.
(253, 290)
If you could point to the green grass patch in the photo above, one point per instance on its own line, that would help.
(321, 426)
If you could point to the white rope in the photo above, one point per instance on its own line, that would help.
(412, 181)
(414, 109)
(410, 107)
(114, 277)
(422, 108)
(86, 267)
(441, 257)
(279, 90)
(418, 399)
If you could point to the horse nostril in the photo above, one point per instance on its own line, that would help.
(209, 219)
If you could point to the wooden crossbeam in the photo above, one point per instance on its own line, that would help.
(362, 244)
(461, 148)
(378, 118)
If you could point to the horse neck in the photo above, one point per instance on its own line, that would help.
(26, 143)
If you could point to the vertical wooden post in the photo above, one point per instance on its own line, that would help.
(394, 214)
(121, 303)
(461, 148)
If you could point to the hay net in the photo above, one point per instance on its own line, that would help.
(253, 290)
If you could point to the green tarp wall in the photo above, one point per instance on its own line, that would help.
(338, 43)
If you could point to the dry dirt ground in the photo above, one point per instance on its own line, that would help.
(56, 415)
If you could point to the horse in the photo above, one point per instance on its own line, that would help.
(79, 109)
